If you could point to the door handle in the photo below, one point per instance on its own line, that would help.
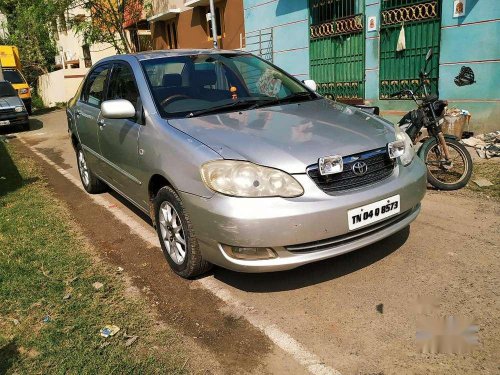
(78, 113)
(102, 124)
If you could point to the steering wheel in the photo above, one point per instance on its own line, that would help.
(172, 98)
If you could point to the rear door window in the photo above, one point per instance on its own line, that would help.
(95, 88)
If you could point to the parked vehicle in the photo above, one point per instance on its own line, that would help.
(12, 110)
(449, 164)
(12, 67)
(238, 163)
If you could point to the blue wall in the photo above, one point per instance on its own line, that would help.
(290, 24)
(471, 40)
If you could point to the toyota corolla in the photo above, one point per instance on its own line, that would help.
(238, 163)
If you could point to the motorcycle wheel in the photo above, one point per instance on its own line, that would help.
(444, 175)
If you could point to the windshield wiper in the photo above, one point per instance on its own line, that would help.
(253, 103)
(234, 104)
(287, 99)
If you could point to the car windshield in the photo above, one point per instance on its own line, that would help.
(7, 90)
(13, 76)
(210, 83)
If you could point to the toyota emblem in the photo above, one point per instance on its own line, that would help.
(360, 168)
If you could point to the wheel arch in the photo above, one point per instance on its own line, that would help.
(155, 183)
(74, 140)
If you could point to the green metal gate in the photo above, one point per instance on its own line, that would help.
(337, 48)
(421, 21)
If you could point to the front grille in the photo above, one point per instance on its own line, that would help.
(7, 111)
(351, 236)
(379, 164)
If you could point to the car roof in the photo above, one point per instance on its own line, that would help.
(148, 55)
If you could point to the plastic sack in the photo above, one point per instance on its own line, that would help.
(401, 40)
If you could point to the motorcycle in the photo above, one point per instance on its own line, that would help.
(449, 164)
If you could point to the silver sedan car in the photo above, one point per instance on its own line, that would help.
(238, 163)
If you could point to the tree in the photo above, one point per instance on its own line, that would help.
(29, 28)
(104, 21)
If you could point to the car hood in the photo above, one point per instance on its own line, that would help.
(289, 137)
(9, 102)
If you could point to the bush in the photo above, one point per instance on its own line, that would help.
(37, 102)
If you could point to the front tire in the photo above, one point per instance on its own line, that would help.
(177, 238)
(440, 175)
(90, 182)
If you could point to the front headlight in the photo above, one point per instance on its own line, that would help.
(24, 91)
(245, 179)
(18, 109)
(401, 148)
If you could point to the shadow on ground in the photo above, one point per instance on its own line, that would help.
(9, 353)
(10, 178)
(314, 273)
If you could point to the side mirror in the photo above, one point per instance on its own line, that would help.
(117, 109)
(429, 54)
(311, 84)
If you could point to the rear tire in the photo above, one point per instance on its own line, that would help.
(177, 238)
(441, 178)
(90, 182)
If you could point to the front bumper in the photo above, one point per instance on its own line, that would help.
(18, 118)
(281, 223)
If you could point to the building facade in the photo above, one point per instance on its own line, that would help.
(185, 24)
(73, 61)
(354, 49)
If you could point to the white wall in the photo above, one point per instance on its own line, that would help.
(60, 86)
(70, 41)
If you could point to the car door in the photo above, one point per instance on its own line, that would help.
(87, 111)
(118, 138)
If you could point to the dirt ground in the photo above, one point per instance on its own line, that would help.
(358, 312)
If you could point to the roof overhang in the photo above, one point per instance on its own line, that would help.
(165, 16)
(196, 3)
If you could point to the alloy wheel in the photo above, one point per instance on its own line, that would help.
(84, 170)
(172, 232)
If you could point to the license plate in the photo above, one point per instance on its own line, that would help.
(5, 122)
(373, 212)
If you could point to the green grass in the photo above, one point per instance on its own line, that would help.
(43, 258)
(489, 169)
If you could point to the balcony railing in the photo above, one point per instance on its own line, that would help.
(260, 43)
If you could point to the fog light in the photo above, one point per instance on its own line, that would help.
(249, 253)
(396, 149)
(330, 165)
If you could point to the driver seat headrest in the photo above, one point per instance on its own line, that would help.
(171, 80)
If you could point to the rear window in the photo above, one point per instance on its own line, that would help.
(13, 76)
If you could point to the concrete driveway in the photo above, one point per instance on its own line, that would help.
(355, 314)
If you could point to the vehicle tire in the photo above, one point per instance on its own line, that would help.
(177, 238)
(90, 182)
(454, 178)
